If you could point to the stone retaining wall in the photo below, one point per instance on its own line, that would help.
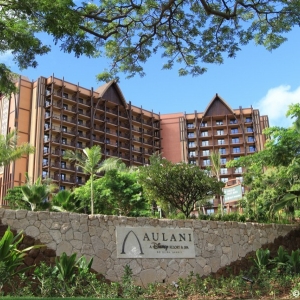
(217, 244)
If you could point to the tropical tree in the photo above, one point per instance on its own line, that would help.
(14, 196)
(215, 169)
(90, 161)
(181, 184)
(37, 193)
(129, 32)
(10, 150)
(65, 200)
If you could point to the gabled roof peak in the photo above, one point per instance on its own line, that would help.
(217, 106)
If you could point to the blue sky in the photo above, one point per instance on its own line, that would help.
(266, 80)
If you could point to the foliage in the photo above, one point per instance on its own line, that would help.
(89, 160)
(129, 32)
(179, 185)
(116, 193)
(65, 200)
(10, 150)
(262, 258)
(272, 175)
(14, 196)
(37, 193)
(11, 258)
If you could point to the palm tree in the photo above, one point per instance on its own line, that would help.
(37, 193)
(10, 150)
(65, 200)
(89, 160)
(215, 158)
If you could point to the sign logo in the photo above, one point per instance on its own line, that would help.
(148, 242)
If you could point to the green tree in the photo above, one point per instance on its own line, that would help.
(180, 185)
(37, 193)
(116, 193)
(14, 196)
(215, 169)
(129, 32)
(272, 175)
(65, 201)
(90, 161)
(122, 192)
(10, 150)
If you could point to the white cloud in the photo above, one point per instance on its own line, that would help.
(275, 104)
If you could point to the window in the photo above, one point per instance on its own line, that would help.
(80, 133)
(204, 133)
(252, 149)
(45, 162)
(47, 114)
(206, 162)
(223, 161)
(238, 170)
(46, 149)
(222, 151)
(220, 132)
(62, 188)
(233, 121)
(223, 171)
(205, 152)
(107, 152)
(192, 153)
(47, 126)
(221, 142)
(249, 129)
(224, 179)
(65, 118)
(190, 125)
(107, 130)
(79, 144)
(64, 141)
(192, 162)
(210, 211)
(63, 164)
(204, 124)
(234, 130)
(63, 152)
(80, 122)
(191, 134)
(192, 144)
(80, 100)
(65, 106)
(219, 122)
(240, 179)
(236, 158)
(235, 140)
(63, 176)
(80, 111)
(64, 129)
(47, 102)
(65, 95)
(236, 150)
(79, 179)
(248, 120)
(46, 137)
(251, 139)
(44, 174)
(107, 141)
(205, 143)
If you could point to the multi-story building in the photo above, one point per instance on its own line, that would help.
(54, 116)
(231, 132)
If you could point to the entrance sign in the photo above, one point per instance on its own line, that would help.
(232, 193)
(154, 242)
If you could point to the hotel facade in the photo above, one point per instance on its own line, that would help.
(54, 115)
